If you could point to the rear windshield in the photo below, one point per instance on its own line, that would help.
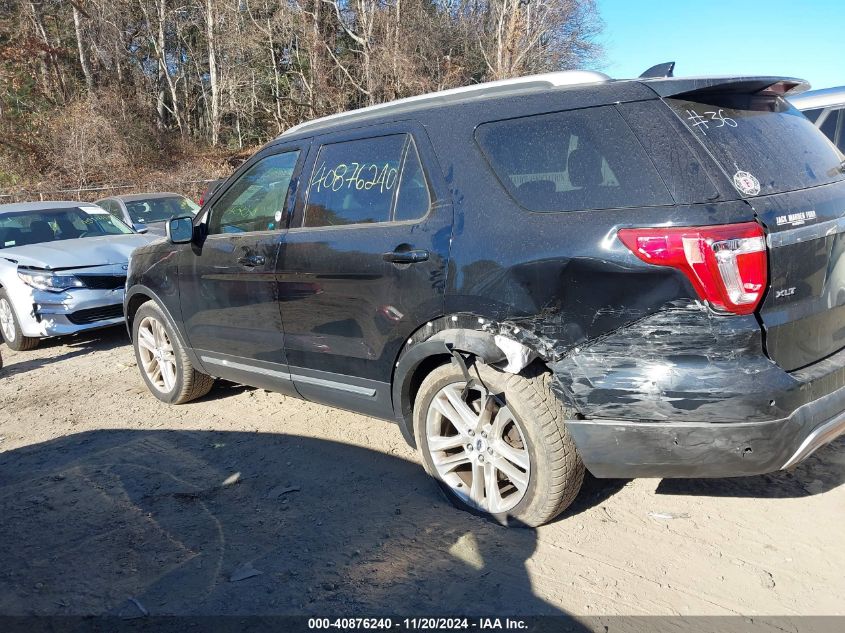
(38, 227)
(159, 209)
(569, 161)
(763, 144)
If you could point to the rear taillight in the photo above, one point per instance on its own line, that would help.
(726, 264)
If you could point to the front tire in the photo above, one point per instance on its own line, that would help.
(11, 327)
(164, 365)
(509, 457)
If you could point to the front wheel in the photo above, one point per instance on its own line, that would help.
(500, 448)
(164, 365)
(11, 328)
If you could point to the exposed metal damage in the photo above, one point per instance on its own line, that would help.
(681, 364)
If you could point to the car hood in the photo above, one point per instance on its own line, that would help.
(79, 253)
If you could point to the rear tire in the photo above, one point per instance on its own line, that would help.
(536, 470)
(11, 327)
(164, 365)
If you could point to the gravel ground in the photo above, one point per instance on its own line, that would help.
(248, 502)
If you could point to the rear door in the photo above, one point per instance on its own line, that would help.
(227, 282)
(792, 176)
(364, 263)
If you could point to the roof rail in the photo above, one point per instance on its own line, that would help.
(490, 88)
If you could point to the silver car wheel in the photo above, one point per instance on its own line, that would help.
(478, 448)
(7, 321)
(155, 350)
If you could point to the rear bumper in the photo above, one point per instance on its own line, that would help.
(685, 393)
(614, 448)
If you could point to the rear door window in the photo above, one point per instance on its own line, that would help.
(762, 143)
(367, 181)
(570, 161)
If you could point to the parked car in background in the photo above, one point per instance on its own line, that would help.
(148, 211)
(62, 269)
(825, 108)
(210, 189)
(531, 277)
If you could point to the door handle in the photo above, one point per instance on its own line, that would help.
(251, 261)
(406, 257)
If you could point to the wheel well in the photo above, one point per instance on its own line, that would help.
(132, 307)
(422, 370)
(432, 344)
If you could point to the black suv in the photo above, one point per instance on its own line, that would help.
(641, 277)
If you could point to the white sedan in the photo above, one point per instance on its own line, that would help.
(62, 269)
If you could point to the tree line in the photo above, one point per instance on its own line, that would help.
(94, 88)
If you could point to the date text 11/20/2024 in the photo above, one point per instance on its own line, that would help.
(418, 624)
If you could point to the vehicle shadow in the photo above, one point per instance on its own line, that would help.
(223, 389)
(200, 523)
(76, 345)
(593, 493)
(823, 471)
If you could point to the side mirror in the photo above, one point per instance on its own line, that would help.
(140, 228)
(180, 230)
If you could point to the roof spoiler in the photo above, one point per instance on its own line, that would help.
(659, 70)
(771, 85)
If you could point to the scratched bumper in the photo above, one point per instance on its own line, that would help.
(636, 449)
(616, 448)
(686, 394)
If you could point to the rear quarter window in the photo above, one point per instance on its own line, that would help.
(571, 161)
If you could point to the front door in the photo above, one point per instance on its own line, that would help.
(364, 263)
(227, 284)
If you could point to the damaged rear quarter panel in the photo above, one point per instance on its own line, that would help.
(563, 275)
(626, 339)
(679, 365)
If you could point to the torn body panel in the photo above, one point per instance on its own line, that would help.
(683, 365)
(689, 393)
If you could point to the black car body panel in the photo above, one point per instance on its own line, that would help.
(659, 383)
(345, 308)
(804, 313)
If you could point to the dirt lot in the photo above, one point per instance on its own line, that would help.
(107, 494)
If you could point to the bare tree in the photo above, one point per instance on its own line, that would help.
(188, 75)
(80, 43)
(211, 40)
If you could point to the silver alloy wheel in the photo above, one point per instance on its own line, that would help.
(155, 350)
(7, 321)
(478, 449)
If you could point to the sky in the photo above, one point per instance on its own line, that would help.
(795, 38)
